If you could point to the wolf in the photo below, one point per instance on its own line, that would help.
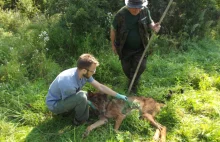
(118, 109)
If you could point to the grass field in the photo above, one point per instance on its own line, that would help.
(192, 116)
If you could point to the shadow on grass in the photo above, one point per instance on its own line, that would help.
(60, 128)
(55, 129)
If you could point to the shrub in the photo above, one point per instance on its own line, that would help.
(80, 26)
(193, 18)
(10, 20)
(27, 8)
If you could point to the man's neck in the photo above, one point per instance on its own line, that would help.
(80, 75)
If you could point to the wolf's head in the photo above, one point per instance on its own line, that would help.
(99, 100)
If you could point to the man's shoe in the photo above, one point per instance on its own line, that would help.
(77, 122)
(66, 114)
(134, 87)
(134, 90)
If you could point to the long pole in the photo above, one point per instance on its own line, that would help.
(149, 42)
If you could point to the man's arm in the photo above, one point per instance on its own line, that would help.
(107, 90)
(103, 88)
(154, 26)
(112, 37)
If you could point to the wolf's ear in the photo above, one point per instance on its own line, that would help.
(105, 96)
(89, 94)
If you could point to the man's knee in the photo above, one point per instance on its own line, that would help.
(82, 97)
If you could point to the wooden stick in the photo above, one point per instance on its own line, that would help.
(149, 42)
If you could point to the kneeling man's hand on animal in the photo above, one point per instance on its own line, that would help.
(123, 97)
(90, 104)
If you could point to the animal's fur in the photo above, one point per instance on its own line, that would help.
(117, 109)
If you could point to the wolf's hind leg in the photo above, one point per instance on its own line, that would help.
(150, 118)
(98, 123)
(163, 134)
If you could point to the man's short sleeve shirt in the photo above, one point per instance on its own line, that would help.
(67, 83)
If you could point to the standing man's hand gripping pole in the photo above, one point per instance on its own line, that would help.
(155, 27)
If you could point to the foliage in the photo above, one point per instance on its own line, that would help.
(192, 18)
(23, 52)
(71, 33)
(8, 4)
(27, 7)
(29, 40)
(11, 21)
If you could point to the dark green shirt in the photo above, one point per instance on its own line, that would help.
(133, 40)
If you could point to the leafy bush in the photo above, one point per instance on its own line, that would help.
(13, 74)
(11, 21)
(27, 7)
(80, 26)
(1, 3)
(193, 17)
(24, 53)
(5, 56)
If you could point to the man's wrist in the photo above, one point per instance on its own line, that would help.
(117, 95)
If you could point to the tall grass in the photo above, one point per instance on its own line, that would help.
(26, 70)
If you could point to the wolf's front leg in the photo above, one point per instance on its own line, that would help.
(98, 123)
(119, 120)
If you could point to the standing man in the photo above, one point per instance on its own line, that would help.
(129, 37)
(65, 92)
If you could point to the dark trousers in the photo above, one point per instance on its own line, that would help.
(130, 61)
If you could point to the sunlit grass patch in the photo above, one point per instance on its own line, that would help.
(200, 102)
(198, 128)
(13, 131)
(198, 113)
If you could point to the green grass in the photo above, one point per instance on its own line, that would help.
(191, 116)
(26, 70)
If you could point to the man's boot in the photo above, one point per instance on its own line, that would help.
(134, 86)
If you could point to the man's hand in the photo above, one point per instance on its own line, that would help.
(91, 104)
(155, 27)
(123, 97)
(114, 49)
(112, 37)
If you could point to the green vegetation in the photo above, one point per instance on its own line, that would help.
(40, 38)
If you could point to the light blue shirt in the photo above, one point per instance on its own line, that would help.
(67, 83)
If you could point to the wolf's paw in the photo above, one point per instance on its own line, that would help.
(156, 135)
(85, 134)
